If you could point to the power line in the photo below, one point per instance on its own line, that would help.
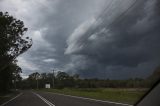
(113, 22)
(104, 10)
(123, 13)
(97, 18)
(118, 17)
(92, 29)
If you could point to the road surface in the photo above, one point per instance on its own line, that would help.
(30, 98)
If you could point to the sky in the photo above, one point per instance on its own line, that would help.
(116, 39)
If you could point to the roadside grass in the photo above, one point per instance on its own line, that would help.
(123, 95)
(7, 96)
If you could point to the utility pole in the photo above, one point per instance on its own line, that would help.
(15, 84)
(53, 79)
(37, 80)
(37, 83)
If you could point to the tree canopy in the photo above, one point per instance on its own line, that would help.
(12, 41)
(12, 44)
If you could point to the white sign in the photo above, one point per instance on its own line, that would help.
(48, 86)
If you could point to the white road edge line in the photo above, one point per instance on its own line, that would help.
(11, 99)
(123, 104)
(45, 100)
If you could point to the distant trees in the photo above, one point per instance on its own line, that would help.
(12, 44)
(63, 80)
(33, 79)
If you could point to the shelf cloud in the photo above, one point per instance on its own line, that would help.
(93, 38)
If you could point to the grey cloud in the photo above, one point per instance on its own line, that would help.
(132, 40)
(74, 36)
(54, 24)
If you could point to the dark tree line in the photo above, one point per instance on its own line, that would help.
(62, 80)
(12, 44)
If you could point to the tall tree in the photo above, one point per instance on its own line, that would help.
(12, 41)
(12, 44)
(33, 79)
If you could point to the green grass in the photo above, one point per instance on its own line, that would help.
(8, 96)
(129, 96)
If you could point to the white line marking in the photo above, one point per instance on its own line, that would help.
(92, 99)
(11, 99)
(45, 100)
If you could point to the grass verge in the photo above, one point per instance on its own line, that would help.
(5, 97)
(129, 96)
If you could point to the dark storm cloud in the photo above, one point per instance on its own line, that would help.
(50, 23)
(126, 45)
(70, 14)
(59, 25)
(79, 37)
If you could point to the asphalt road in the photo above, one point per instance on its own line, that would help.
(29, 98)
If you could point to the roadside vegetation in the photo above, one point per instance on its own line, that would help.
(7, 96)
(63, 80)
(125, 91)
(122, 95)
(12, 44)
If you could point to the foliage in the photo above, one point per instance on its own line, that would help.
(8, 75)
(123, 95)
(12, 44)
(63, 80)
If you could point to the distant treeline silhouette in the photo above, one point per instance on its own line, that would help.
(62, 80)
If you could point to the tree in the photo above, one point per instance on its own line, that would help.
(9, 74)
(34, 79)
(12, 44)
(12, 41)
(62, 75)
(64, 80)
